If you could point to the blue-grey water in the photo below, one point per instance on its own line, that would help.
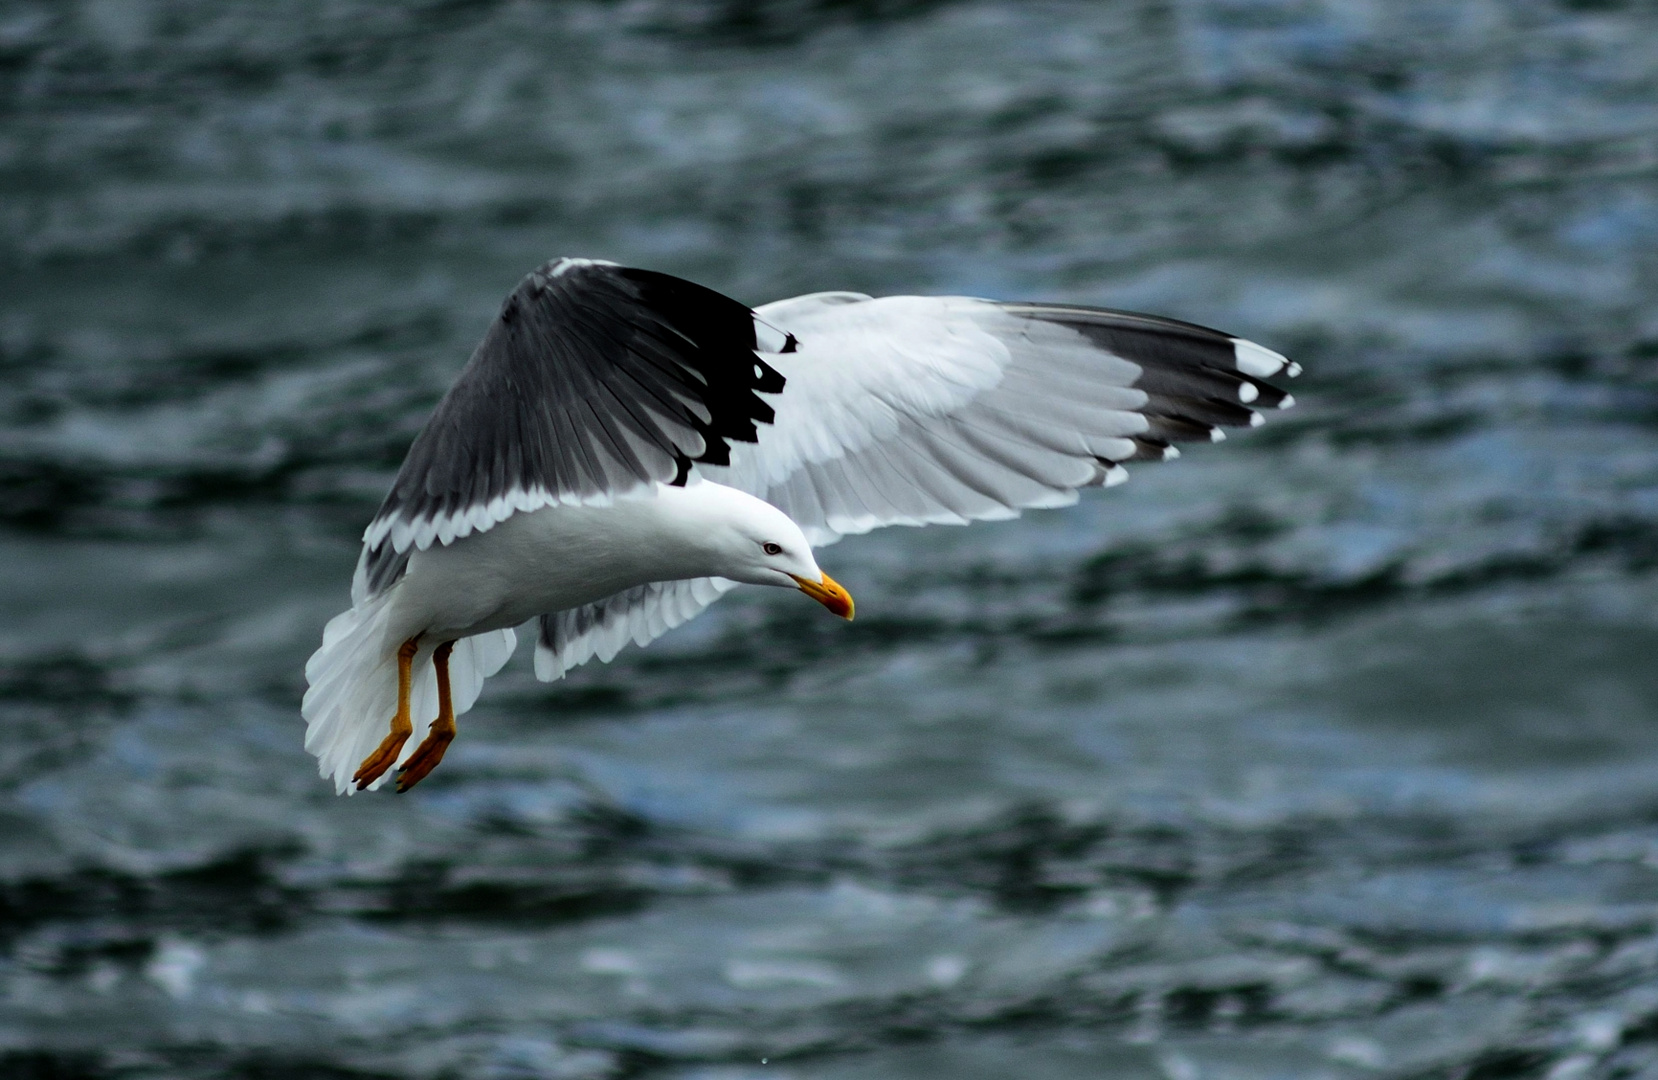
(1331, 751)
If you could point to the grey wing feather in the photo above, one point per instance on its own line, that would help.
(594, 379)
(637, 616)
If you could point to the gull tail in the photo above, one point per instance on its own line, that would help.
(353, 686)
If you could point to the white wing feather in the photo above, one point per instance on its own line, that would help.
(638, 616)
(923, 410)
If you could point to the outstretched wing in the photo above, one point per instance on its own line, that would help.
(595, 379)
(918, 410)
(641, 615)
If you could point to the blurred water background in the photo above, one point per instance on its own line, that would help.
(1328, 752)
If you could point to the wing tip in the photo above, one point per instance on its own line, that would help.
(1260, 361)
(554, 268)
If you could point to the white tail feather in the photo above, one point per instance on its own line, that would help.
(353, 687)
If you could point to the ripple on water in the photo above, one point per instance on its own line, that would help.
(1324, 752)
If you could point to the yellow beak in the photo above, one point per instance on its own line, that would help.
(828, 593)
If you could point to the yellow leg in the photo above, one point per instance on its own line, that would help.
(430, 752)
(386, 755)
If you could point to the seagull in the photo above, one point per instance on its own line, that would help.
(626, 446)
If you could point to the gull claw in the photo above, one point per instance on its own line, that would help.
(426, 756)
(383, 758)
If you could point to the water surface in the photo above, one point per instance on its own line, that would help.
(1330, 752)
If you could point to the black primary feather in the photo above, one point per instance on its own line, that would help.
(1189, 372)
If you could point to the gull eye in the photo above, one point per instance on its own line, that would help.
(771, 549)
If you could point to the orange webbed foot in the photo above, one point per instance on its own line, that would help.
(384, 757)
(426, 756)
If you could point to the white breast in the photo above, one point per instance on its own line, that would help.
(552, 559)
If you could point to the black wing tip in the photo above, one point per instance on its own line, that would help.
(1079, 315)
(1218, 348)
(769, 380)
(1198, 380)
(718, 330)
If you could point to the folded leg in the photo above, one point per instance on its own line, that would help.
(385, 756)
(442, 733)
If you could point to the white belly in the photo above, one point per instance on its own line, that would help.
(544, 561)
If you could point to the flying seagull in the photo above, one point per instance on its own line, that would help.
(625, 446)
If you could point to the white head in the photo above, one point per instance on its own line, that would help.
(751, 541)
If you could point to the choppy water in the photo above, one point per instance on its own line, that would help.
(1329, 752)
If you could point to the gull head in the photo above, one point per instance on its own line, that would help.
(757, 544)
